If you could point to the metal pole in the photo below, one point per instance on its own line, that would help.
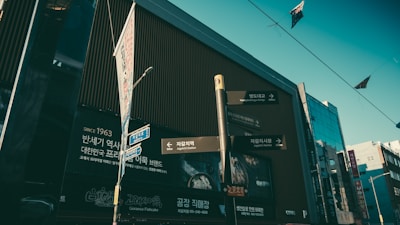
(121, 164)
(117, 188)
(230, 204)
(371, 179)
(221, 116)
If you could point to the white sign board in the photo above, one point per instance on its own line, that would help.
(124, 57)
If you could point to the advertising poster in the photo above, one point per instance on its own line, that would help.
(155, 184)
(95, 146)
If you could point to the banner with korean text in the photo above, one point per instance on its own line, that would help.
(124, 57)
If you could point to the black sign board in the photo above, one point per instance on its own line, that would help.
(259, 142)
(189, 145)
(252, 97)
(244, 120)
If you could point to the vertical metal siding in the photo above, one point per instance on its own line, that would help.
(99, 85)
(179, 92)
(13, 28)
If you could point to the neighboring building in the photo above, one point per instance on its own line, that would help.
(394, 145)
(61, 129)
(329, 170)
(378, 162)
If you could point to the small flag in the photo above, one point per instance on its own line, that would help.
(297, 13)
(363, 84)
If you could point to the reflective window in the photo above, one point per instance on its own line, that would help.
(325, 123)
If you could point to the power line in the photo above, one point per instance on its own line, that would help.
(321, 61)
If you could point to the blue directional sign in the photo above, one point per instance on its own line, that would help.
(139, 135)
(133, 152)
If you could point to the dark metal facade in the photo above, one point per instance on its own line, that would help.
(179, 93)
(13, 29)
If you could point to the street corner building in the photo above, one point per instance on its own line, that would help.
(61, 128)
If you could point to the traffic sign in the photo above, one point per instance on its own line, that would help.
(252, 97)
(132, 152)
(189, 145)
(139, 135)
(259, 142)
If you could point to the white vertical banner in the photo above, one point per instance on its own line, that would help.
(124, 57)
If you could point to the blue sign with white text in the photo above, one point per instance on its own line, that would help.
(139, 135)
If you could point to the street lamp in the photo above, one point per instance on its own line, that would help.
(371, 179)
(147, 71)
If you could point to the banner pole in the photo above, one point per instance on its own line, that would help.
(121, 167)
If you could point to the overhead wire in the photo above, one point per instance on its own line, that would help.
(322, 61)
(111, 23)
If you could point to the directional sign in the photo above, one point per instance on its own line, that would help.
(133, 152)
(259, 142)
(139, 135)
(189, 145)
(244, 120)
(252, 97)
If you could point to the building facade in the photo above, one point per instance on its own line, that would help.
(61, 128)
(329, 169)
(378, 165)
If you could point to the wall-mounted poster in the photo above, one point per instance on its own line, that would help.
(156, 184)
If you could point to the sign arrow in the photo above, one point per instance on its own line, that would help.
(189, 145)
(252, 97)
(259, 142)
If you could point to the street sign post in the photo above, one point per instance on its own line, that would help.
(139, 135)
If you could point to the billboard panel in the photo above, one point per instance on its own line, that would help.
(179, 184)
(353, 164)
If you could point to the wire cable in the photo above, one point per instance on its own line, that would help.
(111, 24)
(321, 61)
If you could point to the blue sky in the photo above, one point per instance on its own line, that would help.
(354, 38)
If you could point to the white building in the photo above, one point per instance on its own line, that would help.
(394, 145)
(379, 166)
(368, 155)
